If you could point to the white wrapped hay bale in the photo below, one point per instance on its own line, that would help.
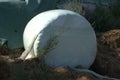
(69, 37)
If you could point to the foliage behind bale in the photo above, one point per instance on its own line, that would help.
(106, 17)
(74, 5)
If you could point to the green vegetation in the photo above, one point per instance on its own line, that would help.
(50, 46)
(104, 18)
(74, 5)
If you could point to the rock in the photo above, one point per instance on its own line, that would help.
(64, 37)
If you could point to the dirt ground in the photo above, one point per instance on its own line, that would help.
(107, 63)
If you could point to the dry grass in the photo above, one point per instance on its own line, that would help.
(107, 63)
(111, 38)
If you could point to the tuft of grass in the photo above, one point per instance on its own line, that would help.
(74, 5)
(106, 17)
(50, 46)
(100, 18)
